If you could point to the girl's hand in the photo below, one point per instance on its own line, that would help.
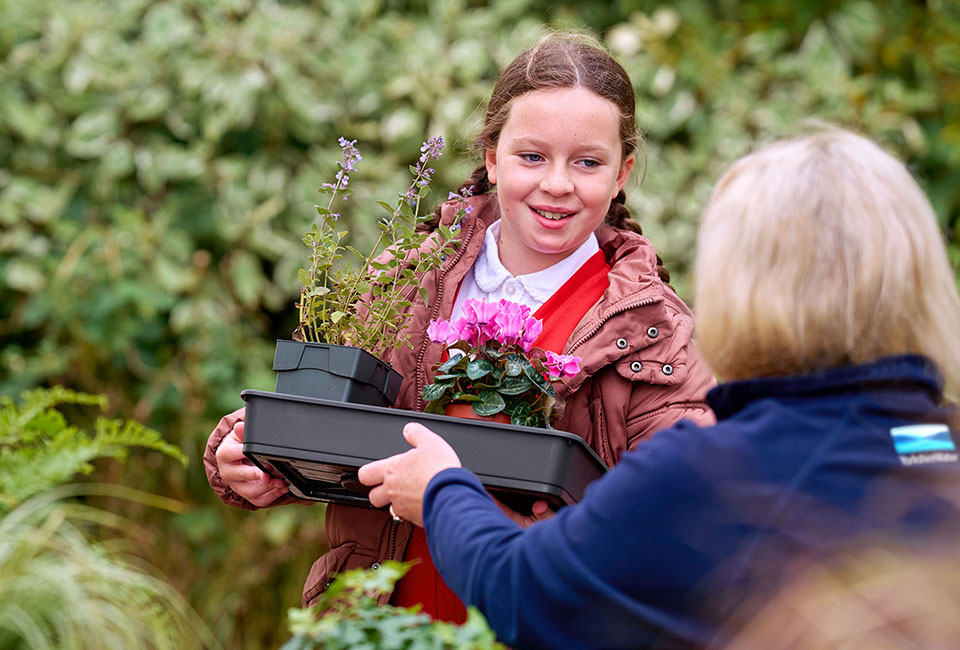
(540, 512)
(401, 480)
(242, 476)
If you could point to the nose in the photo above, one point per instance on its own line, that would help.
(556, 180)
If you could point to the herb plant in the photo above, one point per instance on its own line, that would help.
(330, 305)
(493, 365)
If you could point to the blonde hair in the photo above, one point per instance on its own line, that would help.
(822, 251)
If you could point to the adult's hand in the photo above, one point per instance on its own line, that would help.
(401, 480)
(242, 476)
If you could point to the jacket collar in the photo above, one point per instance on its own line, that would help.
(904, 371)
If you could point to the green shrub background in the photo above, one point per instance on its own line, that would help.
(159, 161)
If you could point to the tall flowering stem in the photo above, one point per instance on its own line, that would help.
(494, 366)
(324, 243)
(333, 307)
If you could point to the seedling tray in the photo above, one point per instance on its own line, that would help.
(317, 445)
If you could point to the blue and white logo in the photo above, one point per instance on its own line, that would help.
(922, 443)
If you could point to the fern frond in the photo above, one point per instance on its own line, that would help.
(40, 449)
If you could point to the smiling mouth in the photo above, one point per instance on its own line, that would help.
(553, 216)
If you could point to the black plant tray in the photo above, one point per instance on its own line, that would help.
(317, 446)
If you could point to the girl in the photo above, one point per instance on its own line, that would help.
(837, 332)
(547, 228)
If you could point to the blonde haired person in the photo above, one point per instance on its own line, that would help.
(826, 301)
(846, 263)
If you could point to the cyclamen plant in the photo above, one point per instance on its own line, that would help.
(493, 365)
(330, 306)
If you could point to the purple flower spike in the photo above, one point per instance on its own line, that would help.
(430, 150)
(350, 156)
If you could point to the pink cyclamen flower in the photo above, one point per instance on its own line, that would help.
(466, 331)
(510, 326)
(531, 330)
(442, 331)
(562, 365)
(482, 314)
(478, 312)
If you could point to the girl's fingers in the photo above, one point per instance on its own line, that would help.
(259, 494)
(230, 450)
(240, 472)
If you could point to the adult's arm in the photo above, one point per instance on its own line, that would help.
(616, 570)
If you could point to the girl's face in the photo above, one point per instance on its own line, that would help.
(557, 165)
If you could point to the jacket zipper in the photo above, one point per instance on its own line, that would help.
(438, 300)
(391, 549)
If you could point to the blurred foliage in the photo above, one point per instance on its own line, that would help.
(159, 162)
(40, 449)
(353, 619)
(67, 579)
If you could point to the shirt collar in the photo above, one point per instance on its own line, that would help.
(490, 273)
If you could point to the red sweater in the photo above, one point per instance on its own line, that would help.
(560, 315)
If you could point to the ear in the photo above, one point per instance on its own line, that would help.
(625, 168)
(490, 160)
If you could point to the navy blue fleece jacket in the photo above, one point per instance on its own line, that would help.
(696, 525)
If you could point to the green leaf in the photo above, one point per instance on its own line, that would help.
(336, 316)
(490, 403)
(514, 366)
(515, 385)
(433, 392)
(479, 368)
(452, 363)
(538, 379)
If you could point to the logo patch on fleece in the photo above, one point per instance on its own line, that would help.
(924, 443)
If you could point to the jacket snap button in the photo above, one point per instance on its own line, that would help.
(375, 566)
(636, 366)
(667, 369)
(652, 332)
(622, 344)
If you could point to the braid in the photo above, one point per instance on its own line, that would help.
(478, 183)
(618, 216)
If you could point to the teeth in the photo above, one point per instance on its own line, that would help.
(553, 216)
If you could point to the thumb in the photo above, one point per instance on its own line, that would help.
(417, 434)
(238, 430)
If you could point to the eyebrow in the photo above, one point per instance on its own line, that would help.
(536, 142)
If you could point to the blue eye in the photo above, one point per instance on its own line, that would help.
(589, 163)
(532, 157)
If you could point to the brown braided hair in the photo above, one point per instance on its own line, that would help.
(561, 60)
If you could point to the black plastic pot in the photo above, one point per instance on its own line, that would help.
(334, 372)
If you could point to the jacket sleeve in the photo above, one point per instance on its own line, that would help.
(223, 490)
(614, 567)
(672, 383)
(685, 402)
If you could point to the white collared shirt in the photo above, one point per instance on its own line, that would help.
(490, 280)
